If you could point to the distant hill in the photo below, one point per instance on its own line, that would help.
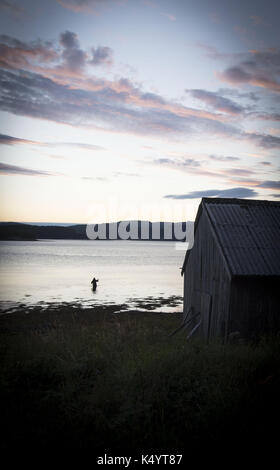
(18, 231)
(154, 231)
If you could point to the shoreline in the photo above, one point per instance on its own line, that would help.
(45, 318)
(144, 304)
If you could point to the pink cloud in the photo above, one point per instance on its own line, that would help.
(44, 57)
(15, 53)
(59, 85)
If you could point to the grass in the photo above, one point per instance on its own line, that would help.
(103, 381)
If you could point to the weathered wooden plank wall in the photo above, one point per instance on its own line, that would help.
(206, 272)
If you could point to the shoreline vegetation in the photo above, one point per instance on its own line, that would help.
(91, 379)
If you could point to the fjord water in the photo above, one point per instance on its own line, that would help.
(54, 271)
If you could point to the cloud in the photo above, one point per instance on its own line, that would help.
(233, 192)
(240, 176)
(69, 40)
(235, 75)
(237, 172)
(67, 59)
(11, 7)
(213, 53)
(265, 116)
(260, 69)
(221, 158)
(48, 81)
(65, 66)
(170, 17)
(256, 20)
(94, 178)
(116, 106)
(217, 101)
(183, 164)
(101, 55)
(10, 140)
(74, 58)
(243, 181)
(237, 94)
(275, 195)
(87, 6)
(270, 184)
(265, 163)
(79, 145)
(243, 177)
(265, 141)
(15, 53)
(18, 170)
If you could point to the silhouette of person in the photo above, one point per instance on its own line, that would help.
(94, 283)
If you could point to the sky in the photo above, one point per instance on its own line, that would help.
(136, 109)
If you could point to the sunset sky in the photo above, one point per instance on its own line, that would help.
(135, 109)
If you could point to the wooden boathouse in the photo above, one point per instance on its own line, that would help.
(232, 273)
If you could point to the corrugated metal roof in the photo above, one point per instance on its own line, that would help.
(249, 234)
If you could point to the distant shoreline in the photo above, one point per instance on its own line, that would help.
(154, 231)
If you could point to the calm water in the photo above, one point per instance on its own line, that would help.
(51, 271)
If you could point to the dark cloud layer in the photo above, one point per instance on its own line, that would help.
(31, 94)
(233, 192)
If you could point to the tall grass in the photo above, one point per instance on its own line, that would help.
(121, 382)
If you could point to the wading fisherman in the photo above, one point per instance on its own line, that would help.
(94, 283)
